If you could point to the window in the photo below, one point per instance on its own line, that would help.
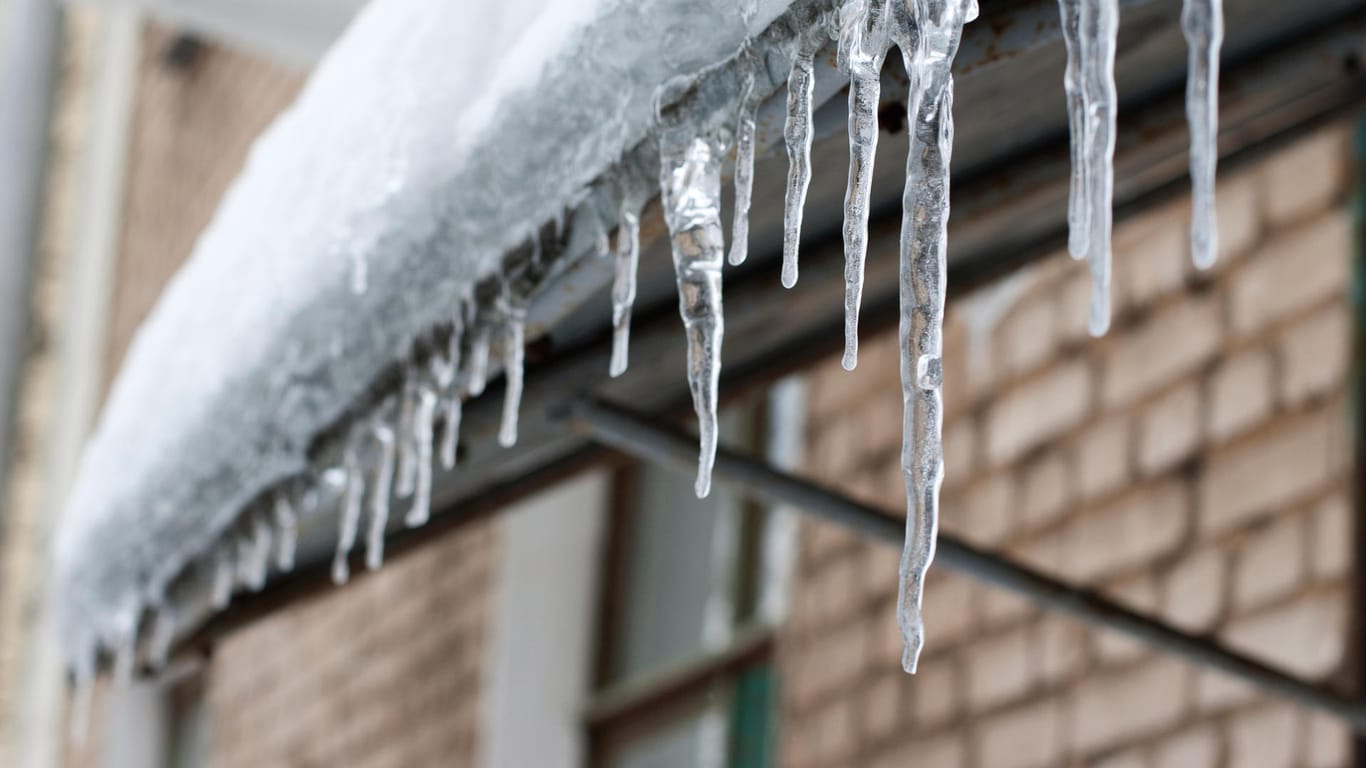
(684, 673)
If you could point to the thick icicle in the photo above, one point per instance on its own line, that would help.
(1099, 30)
(928, 41)
(287, 527)
(744, 159)
(163, 635)
(350, 517)
(479, 360)
(422, 435)
(380, 492)
(690, 186)
(624, 286)
(1202, 21)
(863, 44)
(406, 481)
(223, 574)
(797, 128)
(514, 360)
(1078, 217)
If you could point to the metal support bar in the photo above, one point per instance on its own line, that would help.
(636, 435)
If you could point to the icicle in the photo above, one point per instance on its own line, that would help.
(450, 438)
(928, 41)
(422, 435)
(379, 498)
(1078, 215)
(163, 635)
(259, 561)
(350, 517)
(797, 130)
(690, 186)
(863, 44)
(602, 239)
(223, 573)
(744, 159)
(624, 286)
(83, 688)
(407, 438)
(287, 524)
(125, 656)
(514, 359)
(479, 360)
(1099, 28)
(1202, 21)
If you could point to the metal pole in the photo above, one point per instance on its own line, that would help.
(636, 435)
(28, 74)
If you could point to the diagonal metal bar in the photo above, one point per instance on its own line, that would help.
(639, 437)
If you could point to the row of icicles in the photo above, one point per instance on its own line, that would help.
(399, 439)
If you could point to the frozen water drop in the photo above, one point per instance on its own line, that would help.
(379, 497)
(420, 511)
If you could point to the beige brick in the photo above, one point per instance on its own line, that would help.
(1130, 758)
(1275, 468)
(1269, 564)
(1029, 736)
(1061, 648)
(1306, 177)
(1046, 489)
(1305, 636)
(1217, 691)
(1194, 590)
(989, 510)
(1151, 253)
(1314, 354)
(999, 668)
(881, 707)
(1002, 607)
(879, 564)
(936, 694)
(1238, 208)
(1240, 394)
(1170, 429)
(1027, 336)
(948, 605)
(1327, 743)
(1116, 708)
(1264, 738)
(1102, 458)
(837, 729)
(960, 451)
(1173, 342)
(1198, 746)
(1129, 531)
(1038, 410)
(1292, 272)
(1074, 303)
(1331, 556)
(946, 751)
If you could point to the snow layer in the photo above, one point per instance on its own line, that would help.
(430, 140)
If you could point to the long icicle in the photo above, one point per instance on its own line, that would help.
(421, 509)
(1078, 215)
(863, 44)
(287, 531)
(744, 158)
(350, 517)
(627, 256)
(450, 437)
(690, 188)
(514, 361)
(928, 41)
(380, 492)
(1202, 22)
(797, 129)
(1099, 30)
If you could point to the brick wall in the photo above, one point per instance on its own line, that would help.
(1193, 463)
(386, 671)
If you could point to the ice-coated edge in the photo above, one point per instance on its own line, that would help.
(432, 192)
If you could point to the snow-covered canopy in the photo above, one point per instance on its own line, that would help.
(433, 138)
